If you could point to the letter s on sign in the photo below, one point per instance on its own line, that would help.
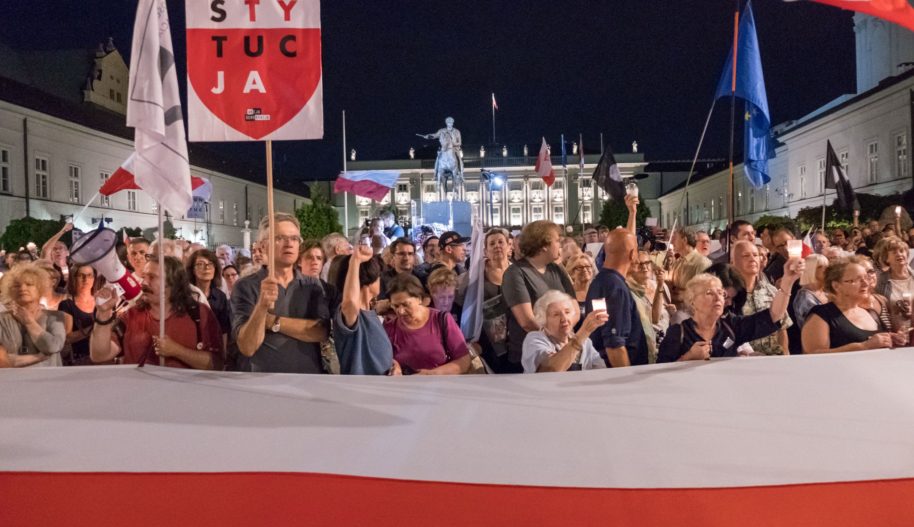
(218, 13)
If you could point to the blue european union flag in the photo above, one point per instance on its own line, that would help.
(750, 86)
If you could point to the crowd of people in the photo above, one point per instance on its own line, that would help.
(386, 304)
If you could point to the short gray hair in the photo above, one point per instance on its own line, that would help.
(550, 297)
(278, 217)
(698, 285)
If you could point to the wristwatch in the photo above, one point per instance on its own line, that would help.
(275, 327)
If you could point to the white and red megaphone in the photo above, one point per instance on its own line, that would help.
(97, 249)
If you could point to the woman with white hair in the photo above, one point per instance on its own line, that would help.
(555, 347)
(812, 287)
(711, 334)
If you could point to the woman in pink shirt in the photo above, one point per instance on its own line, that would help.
(425, 341)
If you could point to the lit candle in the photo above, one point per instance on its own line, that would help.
(898, 211)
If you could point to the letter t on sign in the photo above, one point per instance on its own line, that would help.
(252, 9)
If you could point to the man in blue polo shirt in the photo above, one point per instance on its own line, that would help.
(622, 337)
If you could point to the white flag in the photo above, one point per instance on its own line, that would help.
(154, 111)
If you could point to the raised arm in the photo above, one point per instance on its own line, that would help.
(48, 245)
(631, 203)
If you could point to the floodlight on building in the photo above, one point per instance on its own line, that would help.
(352, 155)
(504, 151)
(482, 151)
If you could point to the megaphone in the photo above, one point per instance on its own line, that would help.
(97, 250)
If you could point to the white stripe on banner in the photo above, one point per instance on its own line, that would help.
(721, 423)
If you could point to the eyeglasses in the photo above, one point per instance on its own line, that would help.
(717, 292)
(581, 268)
(282, 238)
(643, 265)
(204, 265)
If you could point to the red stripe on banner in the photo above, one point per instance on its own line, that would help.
(365, 188)
(224, 499)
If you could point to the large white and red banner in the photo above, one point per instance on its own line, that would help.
(254, 70)
(757, 441)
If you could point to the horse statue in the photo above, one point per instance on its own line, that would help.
(449, 160)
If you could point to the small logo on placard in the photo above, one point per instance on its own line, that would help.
(255, 114)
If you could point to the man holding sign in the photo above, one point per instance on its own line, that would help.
(280, 317)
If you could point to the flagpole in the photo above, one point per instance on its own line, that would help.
(271, 240)
(731, 203)
(824, 196)
(701, 141)
(493, 118)
(161, 251)
(345, 194)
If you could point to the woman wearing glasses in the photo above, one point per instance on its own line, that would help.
(711, 334)
(842, 324)
(581, 269)
(204, 271)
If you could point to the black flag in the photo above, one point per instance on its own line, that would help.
(608, 177)
(835, 178)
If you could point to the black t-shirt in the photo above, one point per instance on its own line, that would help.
(82, 321)
(732, 332)
(841, 331)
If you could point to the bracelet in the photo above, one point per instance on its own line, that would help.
(105, 322)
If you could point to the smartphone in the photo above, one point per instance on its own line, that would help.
(598, 304)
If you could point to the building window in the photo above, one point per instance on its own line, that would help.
(537, 213)
(843, 159)
(901, 156)
(496, 216)
(41, 178)
(739, 202)
(767, 196)
(155, 207)
(801, 174)
(4, 170)
(585, 189)
(713, 210)
(517, 216)
(221, 211)
(872, 162)
(105, 200)
(751, 200)
(364, 216)
(73, 183)
(557, 192)
(131, 200)
(558, 214)
(586, 213)
(820, 174)
(235, 214)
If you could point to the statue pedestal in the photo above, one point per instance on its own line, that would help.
(457, 214)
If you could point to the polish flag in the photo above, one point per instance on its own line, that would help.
(544, 165)
(124, 179)
(898, 11)
(372, 184)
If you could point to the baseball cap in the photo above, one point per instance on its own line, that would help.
(451, 238)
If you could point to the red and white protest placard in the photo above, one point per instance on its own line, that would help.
(254, 70)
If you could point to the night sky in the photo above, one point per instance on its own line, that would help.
(640, 70)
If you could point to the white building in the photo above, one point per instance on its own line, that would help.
(523, 197)
(870, 132)
(63, 132)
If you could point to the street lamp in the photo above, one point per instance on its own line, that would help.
(493, 182)
(504, 151)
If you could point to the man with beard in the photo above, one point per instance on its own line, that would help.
(192, 336)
